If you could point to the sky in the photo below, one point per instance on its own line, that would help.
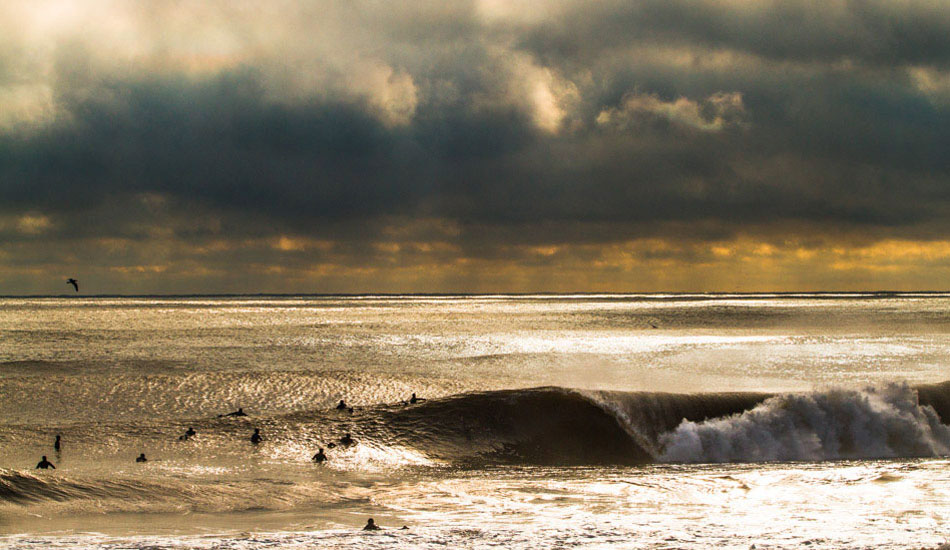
(292, 146)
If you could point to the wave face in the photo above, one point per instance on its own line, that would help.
(555, 426)
(549, 426)
(880, 422)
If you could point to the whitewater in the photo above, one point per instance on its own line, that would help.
(548, 421)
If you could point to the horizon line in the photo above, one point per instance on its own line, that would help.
(474, 294)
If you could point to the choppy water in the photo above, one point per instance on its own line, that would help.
(551, 421)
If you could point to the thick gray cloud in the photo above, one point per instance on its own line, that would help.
(882, 32)
(515, 123)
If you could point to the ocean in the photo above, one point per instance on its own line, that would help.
(547, 421)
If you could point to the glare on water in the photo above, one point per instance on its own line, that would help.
(120, 376)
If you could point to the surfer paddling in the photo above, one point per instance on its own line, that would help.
(413, 400)
(344, 441)
(320, 457)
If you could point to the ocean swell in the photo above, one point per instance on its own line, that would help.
(19, 487)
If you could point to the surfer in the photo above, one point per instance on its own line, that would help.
(188, 434)
(341, 405)
(256, 438)
(347, 440)
(319, 458)
(371, 525)
(141, 458)
(56, 444)
(45, 464)
(413, 400)
(239, 412)
(73, 282)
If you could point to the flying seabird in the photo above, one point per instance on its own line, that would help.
(73, 282)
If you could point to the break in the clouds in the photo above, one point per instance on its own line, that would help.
(520, 145)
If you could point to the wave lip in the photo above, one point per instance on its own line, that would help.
(878, 422)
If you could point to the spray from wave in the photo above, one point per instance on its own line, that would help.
(881, 422)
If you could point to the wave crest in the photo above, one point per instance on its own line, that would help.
(882, 422)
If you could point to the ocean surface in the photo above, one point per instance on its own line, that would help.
(549, 421)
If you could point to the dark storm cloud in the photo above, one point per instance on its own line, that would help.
(876, 31)
(219, 142)
(517, 124)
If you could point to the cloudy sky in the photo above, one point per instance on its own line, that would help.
(463, 146)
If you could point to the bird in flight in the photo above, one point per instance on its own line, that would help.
(73, 282)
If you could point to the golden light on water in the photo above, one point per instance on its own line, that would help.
(664, 274)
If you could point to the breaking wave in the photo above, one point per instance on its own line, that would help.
(883, 422)
(556, 426)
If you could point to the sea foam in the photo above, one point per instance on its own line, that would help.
(878, 422)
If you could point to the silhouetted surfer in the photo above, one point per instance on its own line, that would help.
(319, 458)
(73, 282)
(347, 440)
(341, 405)
(371, 525)
(256, 438)
(56, 444)
(141, 458)
(413, 400)
(189, 434)
(239, 412)
(45, 464)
